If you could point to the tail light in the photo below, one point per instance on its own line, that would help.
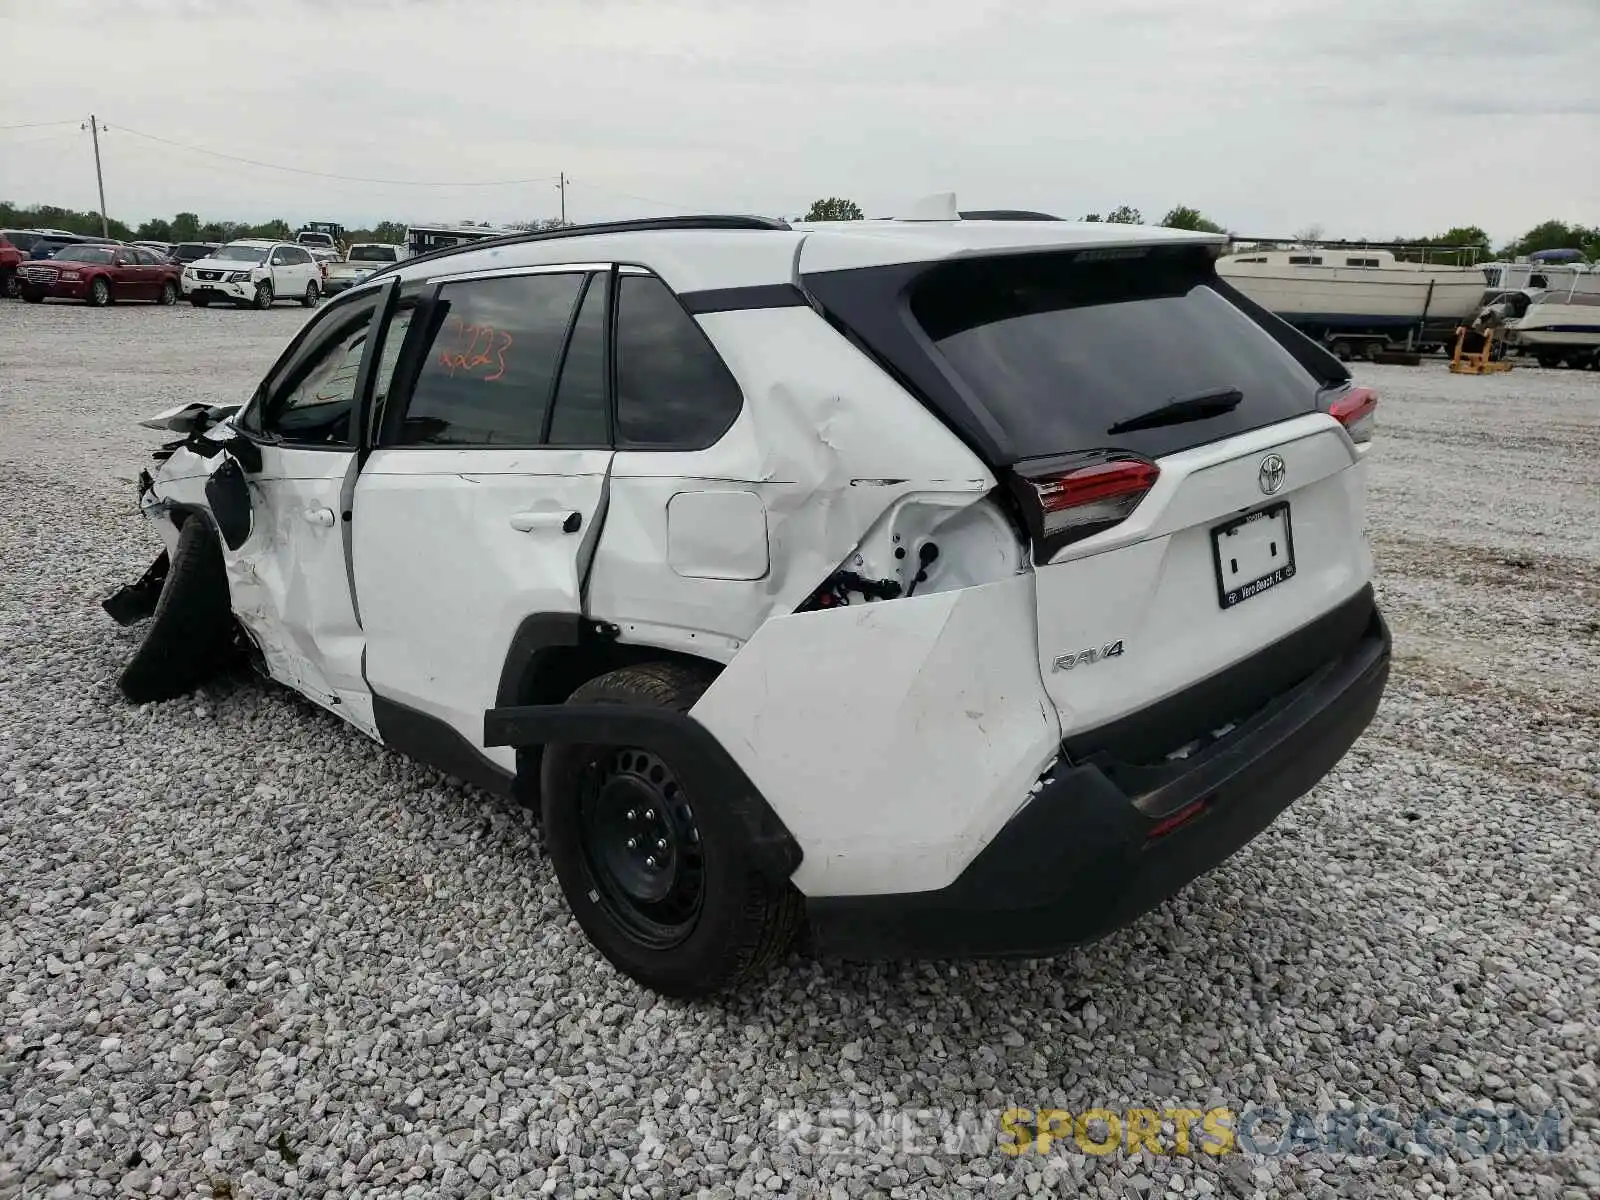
(1068, 499)
(1355, 409)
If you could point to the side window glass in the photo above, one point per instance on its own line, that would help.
(489, 369)
(314, 407)
(673, 391)
(580, 412)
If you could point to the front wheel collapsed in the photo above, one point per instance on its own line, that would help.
(191, 635)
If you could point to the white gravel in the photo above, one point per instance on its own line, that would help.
(245, 952)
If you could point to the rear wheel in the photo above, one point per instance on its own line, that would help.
(1341, 350)
(658, 878)
(313, 294)
(1549, 360)
(168, 293)
(99, 293)
(9, 287)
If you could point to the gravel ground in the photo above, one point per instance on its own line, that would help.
(246, 952)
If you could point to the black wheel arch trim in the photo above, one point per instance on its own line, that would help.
(701, 762)
(538, 631)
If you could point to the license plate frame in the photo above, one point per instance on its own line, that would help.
(1242, 590)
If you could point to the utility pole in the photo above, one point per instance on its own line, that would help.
(99, 178)
(561, 187)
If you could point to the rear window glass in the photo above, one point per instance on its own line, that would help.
(1059, 352)
(86, 254)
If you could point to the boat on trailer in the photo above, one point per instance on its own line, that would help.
(1356, 300)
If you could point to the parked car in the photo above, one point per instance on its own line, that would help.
(162, 248)
(961, 588)
(254, 272)
(184, 253)
(364, 258)
(101, 274)
(10, 259)
(46, 244)
(318, 243)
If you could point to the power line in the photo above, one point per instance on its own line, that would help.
(329, 175)
(630, 196)
(37, 125)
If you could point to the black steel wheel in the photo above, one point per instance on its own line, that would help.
(642, 847)
(663, 881)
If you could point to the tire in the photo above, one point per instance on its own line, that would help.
(739, 923)
(200, 301)
(191, 633)
(10, 286)
(168, 294)
(99, 293)
(264, 297)
(1341, 350)
(1548, 361)
(313, 294)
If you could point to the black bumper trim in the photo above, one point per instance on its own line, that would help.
(704, 766)
(1079, 859)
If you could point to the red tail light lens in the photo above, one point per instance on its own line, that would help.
(1067, 501)
(1355, 410)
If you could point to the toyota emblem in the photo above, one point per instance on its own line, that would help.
(1271, 474)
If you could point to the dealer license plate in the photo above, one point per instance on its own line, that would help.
(1254, 553)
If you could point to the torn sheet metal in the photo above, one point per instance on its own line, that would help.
(825, 460)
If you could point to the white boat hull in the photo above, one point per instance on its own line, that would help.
(1352, 298)
(1554, 325)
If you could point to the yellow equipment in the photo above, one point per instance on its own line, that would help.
(1480, 361)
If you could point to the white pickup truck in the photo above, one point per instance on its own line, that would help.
(363, 259)
(324, 244)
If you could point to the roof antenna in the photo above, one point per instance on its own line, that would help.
(940, 207)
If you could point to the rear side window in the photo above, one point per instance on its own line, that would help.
(488, 372)
(673, 391)
(1058, 351)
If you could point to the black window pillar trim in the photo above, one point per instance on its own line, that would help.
(701, 762)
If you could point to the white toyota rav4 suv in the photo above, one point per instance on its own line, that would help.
(954, 588)
(253, 272)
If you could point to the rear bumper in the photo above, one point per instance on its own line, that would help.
(1093, 848)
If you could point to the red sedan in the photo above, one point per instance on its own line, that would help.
(98, 275)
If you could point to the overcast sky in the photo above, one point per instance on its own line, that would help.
(1368, 118)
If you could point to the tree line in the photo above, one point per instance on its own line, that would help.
(184, 227)
(188, 227)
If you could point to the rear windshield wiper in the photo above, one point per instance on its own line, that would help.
(1183, 408)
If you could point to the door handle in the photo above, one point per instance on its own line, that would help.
(319, 516)
(528, 522)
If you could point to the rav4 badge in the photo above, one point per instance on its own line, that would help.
(1079, 658)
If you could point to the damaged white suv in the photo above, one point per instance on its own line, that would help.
(952, 587)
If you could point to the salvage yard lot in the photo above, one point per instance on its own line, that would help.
(245, 951)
